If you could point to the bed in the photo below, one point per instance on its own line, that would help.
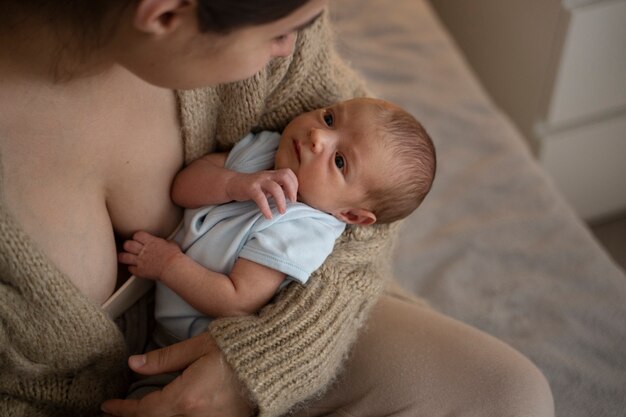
(494, 244)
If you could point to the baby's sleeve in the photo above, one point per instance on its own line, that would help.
(295, 245)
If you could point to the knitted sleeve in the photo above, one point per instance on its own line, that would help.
(295, 346)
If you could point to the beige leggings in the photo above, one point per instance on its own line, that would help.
(413, 361)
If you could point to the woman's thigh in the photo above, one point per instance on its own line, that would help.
(412, 361)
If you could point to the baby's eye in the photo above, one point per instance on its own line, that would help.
(340, 162)
(329, 119)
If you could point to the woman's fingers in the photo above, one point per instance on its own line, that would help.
(121, 408)
(207, 387)
(169, 402)
(172, 358)
(155, 404)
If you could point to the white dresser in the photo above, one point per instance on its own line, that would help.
(558, 68)
(582, 134)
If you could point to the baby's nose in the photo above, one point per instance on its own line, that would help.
(319, 140)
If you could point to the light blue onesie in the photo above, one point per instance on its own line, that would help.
(295, 243)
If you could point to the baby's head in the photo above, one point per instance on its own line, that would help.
(362, 160)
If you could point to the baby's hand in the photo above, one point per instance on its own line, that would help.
(281, 184)
(147, 256)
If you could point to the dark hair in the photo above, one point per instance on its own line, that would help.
(85, 26)
(92, 21)
(414, 165)
(223, 16)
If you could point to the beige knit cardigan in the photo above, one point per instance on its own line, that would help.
(60, 355)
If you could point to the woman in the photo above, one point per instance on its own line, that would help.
(91, 136)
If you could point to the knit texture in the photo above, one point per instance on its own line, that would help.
(60, 355)
(294, 348)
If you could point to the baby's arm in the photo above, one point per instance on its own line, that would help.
(206, 181)
(248, 287)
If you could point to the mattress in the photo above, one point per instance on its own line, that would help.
(494, 245)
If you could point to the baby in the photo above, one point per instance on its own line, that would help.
(269, 211)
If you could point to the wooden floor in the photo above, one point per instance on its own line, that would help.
(612, 234)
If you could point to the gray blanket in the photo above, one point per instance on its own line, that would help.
(494, 244)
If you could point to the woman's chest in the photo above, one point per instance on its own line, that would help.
(77, 177)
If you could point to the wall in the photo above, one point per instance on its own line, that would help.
(510, 44)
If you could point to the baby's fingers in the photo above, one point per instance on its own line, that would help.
(289, 183)
(261, 201)
(132, 246)
(276, 190)
(144, 237)
(127, 258)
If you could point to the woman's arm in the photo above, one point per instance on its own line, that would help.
(305, 335)
(247, 288)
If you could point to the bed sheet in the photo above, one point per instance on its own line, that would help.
(494, 244)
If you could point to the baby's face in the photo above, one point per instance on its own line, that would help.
(335, 154)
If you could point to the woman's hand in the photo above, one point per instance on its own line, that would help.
(281, 184)
(207, 387)
(148, 256)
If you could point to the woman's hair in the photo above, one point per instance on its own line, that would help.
(92, 21)
(223, 16)
(413, 165)
(85, 26)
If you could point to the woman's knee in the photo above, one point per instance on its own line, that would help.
(436, 365)
(488, 377)
(413, 361)
(518, 388)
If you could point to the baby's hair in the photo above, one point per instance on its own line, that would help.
(412, 166)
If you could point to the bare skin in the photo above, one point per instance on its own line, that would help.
(92, 155)
(116, 169)
(116, 136)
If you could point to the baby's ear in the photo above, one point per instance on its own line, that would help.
(358, 216)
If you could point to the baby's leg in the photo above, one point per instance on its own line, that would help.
(412, 361)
